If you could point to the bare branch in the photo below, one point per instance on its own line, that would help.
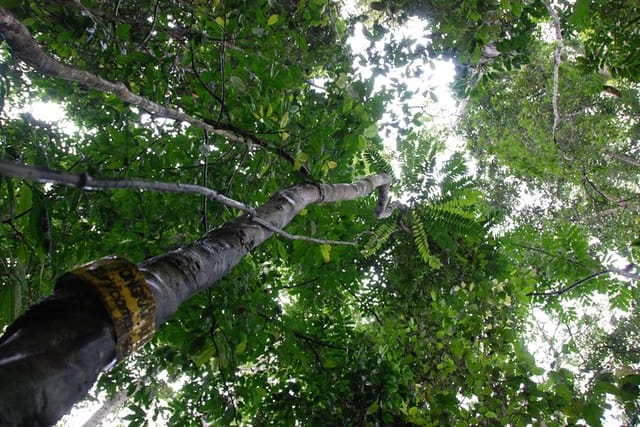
(85, 182)
(624, 272)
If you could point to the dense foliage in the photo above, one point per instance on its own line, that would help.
(428, 319)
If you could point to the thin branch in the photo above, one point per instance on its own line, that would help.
(362, 305)
(205, 166)
(585, 180)
(566, 325)
(85, 182)
(626, 204)
(206, 87)
(222, 62)
(623, 158)
(14, 217)
(319, 342)
(571, 286)
(626, 272)
(26, 48)
(153, 25)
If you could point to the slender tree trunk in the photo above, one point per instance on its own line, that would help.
(52, 355)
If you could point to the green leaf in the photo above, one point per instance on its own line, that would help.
(373, 408)
(580, 12)
(284, 119)
(325, 251)
(123, 32)
(10, 303)
(241, 347)
(592, 413)
(204, 354)
(371, 131)
(273, 19)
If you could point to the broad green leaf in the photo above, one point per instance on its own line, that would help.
(373, 408)
(284, 119)
(325, 251)
(273, 19)
(241, 347)
(371, 131)
(580, 12)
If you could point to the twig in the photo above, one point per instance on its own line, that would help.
(622, 157)
(206, 87)
(8, 220)
(222, 62)
(571, 286)
(318, 341)
(205, 173)
(299, 285)
(153, 25)
(566, 325)
(85, 182)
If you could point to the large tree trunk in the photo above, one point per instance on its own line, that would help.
(52, 355)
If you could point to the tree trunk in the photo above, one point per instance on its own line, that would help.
(52, 355)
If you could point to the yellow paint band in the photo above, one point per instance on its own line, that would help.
(126, 296)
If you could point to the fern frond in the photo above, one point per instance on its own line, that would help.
(379, 238)
(377, 162)
(420, 238)
(449, 218)
(454, 175)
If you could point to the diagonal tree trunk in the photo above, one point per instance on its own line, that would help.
(52, 355)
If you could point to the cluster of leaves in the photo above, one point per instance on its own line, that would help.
(576, 162)
(609, 31)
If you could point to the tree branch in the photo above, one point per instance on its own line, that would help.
(571, 286)
(26, 48)
(84, 181)
(623, 158)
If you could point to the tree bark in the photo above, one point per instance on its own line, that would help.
(52, 355)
